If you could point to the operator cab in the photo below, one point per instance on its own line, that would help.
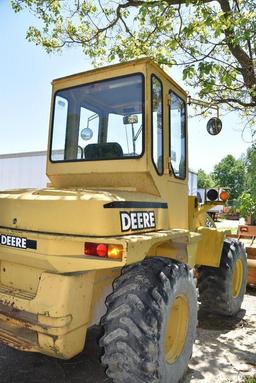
(121, 127)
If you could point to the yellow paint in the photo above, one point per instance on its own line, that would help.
(210, 247)
(176, 329)
(237, 278)
(27, 280)
(50, 294)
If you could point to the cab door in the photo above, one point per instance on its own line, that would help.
(178, 169)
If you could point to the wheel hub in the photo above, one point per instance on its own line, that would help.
(176, 329)
(237, 278)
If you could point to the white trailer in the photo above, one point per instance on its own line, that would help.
(23, 170)
(27, 170)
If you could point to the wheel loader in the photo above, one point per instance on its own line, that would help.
(114, 238)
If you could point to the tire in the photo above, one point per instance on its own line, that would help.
(221, 290)
(140, 319)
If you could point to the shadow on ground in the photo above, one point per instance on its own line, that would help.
(251, 291)
(225, 347)
(22, 367)
(214, 322)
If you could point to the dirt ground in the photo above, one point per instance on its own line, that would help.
(225, 351)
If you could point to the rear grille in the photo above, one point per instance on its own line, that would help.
(27, 295)
(20, 338)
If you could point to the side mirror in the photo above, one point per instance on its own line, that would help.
(130, 119)
(86, 134)
(214, 126)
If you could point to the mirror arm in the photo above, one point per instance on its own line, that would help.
(137, 134)
(204, 103)
(91, 118)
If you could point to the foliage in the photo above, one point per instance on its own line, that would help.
(250, 164)
(250, 380)
(213, 40)
(247, 205)
(204, 180)
(230, 172)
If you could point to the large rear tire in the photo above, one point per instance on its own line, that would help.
(150, 325)
(221, 290)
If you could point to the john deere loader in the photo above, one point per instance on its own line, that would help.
(114, 239)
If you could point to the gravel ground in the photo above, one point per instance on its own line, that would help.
(225, 351)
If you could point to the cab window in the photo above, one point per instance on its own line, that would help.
(99, 121)
(157, 123)
(178, 136)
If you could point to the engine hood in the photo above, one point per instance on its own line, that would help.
(82, 212)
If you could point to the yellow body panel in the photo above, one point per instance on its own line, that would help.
(210, 247)
(50, 291)
(52, 320)
(71, 211)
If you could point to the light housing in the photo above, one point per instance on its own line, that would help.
(224, 195)
(212, 195)
(103, 250)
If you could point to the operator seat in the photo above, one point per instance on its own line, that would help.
(103, 151)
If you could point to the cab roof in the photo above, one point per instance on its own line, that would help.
(145, 60)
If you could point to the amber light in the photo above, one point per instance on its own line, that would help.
(224, 195)
(103, 250)
(115, 251)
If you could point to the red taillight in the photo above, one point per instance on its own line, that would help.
(103, 250)
(90, 248)
(95, 249)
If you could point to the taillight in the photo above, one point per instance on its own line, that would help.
(103, 250)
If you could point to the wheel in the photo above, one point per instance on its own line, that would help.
(221, 290)
(150, 325)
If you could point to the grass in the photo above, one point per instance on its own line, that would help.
(250, 380)
(227, 227)
(232, 229)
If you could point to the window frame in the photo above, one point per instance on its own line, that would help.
(170, 136)
(141, 74)
(152, 127)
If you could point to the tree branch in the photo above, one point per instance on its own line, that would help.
(236, 101)
(242, 57)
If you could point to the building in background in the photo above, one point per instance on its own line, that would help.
(27, 170)
(23, 170)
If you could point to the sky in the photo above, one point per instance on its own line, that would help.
(26, 72)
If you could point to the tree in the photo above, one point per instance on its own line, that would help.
(213, 40)
(247, 205)
(247, 200)
(230, 173)
(250, 164)
(204, 180)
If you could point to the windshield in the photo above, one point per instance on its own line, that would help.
(99, 121)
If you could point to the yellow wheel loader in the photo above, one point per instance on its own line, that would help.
(115, 237)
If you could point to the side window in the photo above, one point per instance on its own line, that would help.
(60, 122)
(178, 136)
(157, 123)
